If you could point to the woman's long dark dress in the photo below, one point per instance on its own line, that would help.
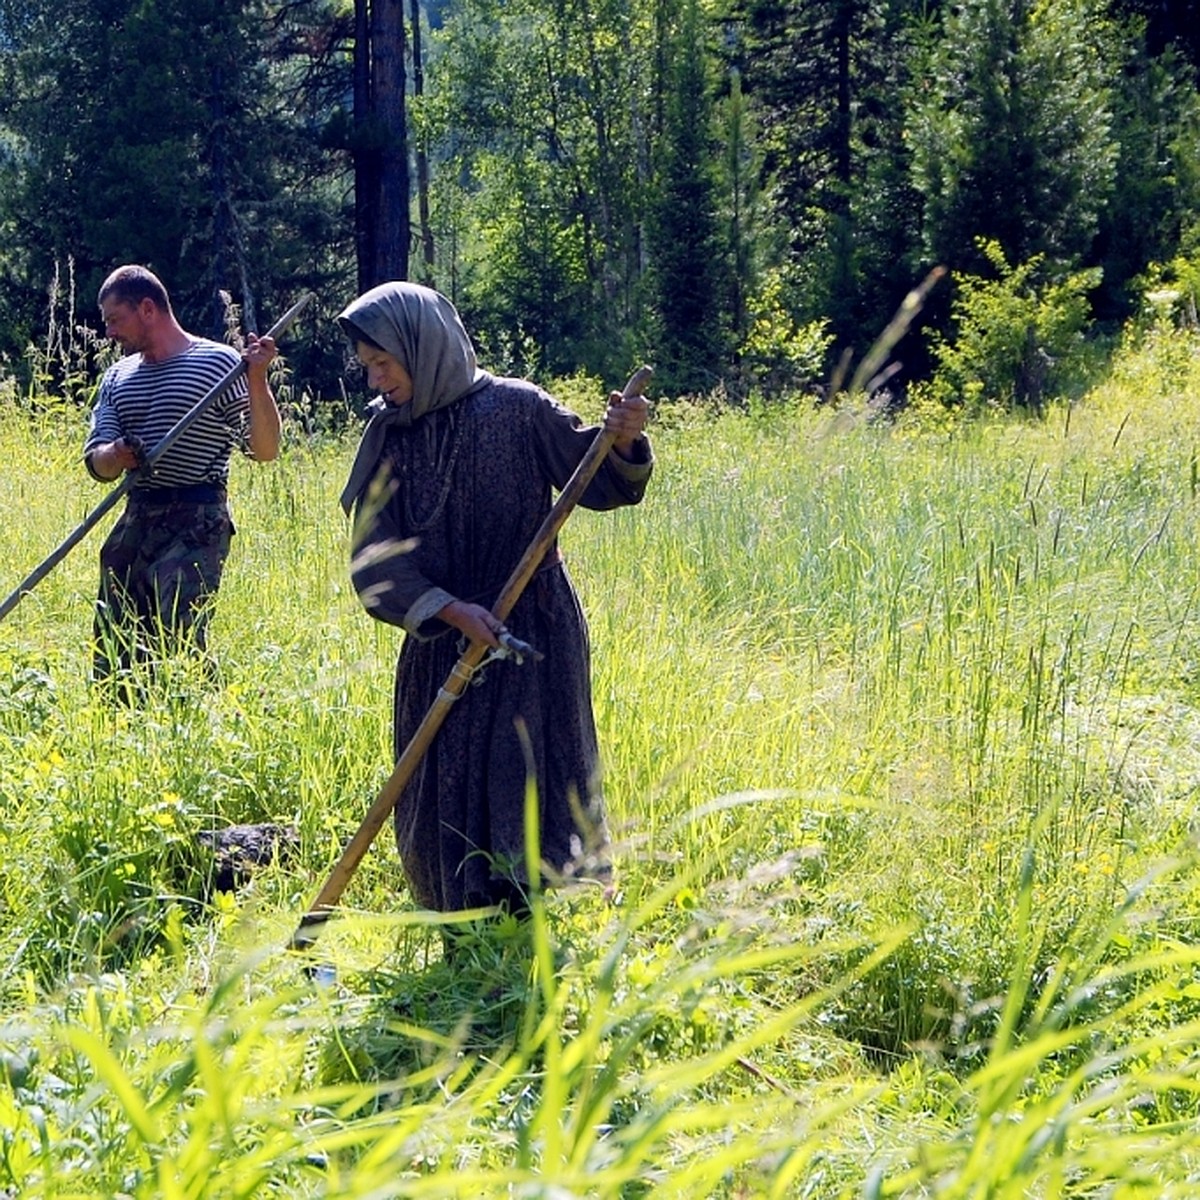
(472, 483)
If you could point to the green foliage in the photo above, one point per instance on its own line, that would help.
(1011, 134)
(901, 733)
(584, 394)
(541, 120)
(177, 135)
(608, 182)
(1159, 345)
(825, 79)
(739, 181)
(1170, 293)
(1017, 337)
(691, 270)
(1156, 120)
(781, 355)
(521, 299)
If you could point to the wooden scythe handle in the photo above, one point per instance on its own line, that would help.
(460, 675)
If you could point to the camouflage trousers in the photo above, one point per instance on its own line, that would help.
(160, 567)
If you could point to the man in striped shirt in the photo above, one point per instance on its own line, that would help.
(162, 562)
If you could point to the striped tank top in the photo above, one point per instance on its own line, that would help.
(146, 399)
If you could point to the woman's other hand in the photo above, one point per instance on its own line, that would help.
(626, 417)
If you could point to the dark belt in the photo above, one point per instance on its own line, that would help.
(554, 558)
(193, 493)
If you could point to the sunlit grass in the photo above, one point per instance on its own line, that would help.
(902, 745)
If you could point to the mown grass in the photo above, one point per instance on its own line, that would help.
(902, 745)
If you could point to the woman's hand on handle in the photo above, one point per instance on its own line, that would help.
(473, 621)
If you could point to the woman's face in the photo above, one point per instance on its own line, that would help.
(385, 374)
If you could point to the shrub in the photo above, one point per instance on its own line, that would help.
(1170, 294)
(780, 354)
(1018, 338)
(1159, 349)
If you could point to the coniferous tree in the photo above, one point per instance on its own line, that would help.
(179, 134)
(1012, 136)
(1168, 24)
(741, 192)
(1155, 206)
(689, 266)
(824, 77)
(125, 129)
(886, 209)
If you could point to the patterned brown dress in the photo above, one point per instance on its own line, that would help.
(470, 484)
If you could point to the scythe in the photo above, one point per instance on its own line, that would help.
(152, 456)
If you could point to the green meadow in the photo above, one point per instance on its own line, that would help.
(901, 725)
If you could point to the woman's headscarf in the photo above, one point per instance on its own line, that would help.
(423, 331)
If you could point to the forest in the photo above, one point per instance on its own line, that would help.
(740, 191)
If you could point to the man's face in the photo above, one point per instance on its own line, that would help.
(125, 323)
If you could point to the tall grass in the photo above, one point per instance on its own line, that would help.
(902, 742)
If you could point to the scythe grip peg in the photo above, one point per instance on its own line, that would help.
(510, 647)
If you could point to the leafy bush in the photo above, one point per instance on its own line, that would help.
(1018, 338)
(1159, 349)
(780, 354)
(1170, 294)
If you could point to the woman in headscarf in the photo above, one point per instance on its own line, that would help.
(453, 477)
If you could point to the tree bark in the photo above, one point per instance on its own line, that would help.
(366, 164)
(427, 243)
(388, 80)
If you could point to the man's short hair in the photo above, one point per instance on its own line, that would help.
(133, 284)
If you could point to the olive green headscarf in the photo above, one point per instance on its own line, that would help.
(423, 331)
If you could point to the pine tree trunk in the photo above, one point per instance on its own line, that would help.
(366, 157)
(388, 81)
(427, 243)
